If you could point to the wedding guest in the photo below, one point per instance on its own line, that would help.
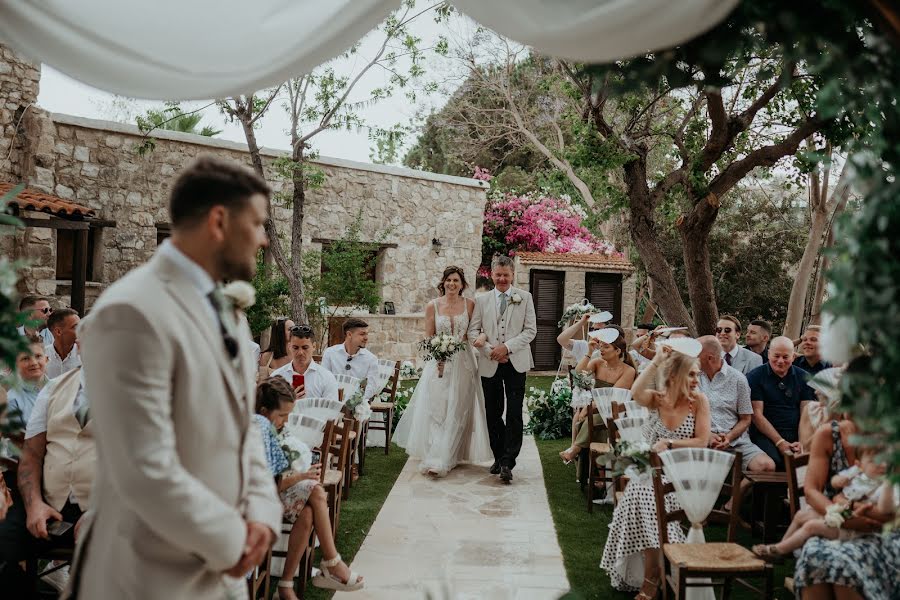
(612, 368)
(826, 386)
(277, 354)
(305, 502)
(63, 352)
(729, 406)
(40, 312)
(778, 392)
(352, 357)
(318, 382)
(810, 359)
(640, 333)
(31, 375)
(569, 338)
(55, 476)
(679, 419)
(759, 333)
(728, 330)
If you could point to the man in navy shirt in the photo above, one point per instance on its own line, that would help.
(811, 361)
(778, 393)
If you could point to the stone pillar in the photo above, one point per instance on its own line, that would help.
(19, 80)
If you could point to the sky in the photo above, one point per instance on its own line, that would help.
(62, 94)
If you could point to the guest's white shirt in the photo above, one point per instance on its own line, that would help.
(318, 381)
(57, 365)
(256, 352)
(37, 423)
(362, 365)
(45, 334)
(497, 298)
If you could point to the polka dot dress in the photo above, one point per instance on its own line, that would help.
(634, 525)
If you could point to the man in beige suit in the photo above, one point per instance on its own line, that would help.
(182, 495)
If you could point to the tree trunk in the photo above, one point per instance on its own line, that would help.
(256, 161)
(694, 230)
(793, 323)
(298, 294)
(642, 227)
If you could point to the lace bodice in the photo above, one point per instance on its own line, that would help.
(456, 325)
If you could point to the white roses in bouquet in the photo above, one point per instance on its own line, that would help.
(298, 454)
(440, 348)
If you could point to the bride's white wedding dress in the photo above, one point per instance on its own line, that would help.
(444, 424)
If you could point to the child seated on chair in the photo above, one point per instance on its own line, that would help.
(861, 486)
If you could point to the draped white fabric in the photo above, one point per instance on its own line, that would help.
(307, 429)
(349, 384)
(176, 50)
(604, 398)
(697, 474)
(631, 429)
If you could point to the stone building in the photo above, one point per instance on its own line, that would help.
(93, 196)
(560, 280)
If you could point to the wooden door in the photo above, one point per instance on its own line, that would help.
(547, 289)
(604, 290)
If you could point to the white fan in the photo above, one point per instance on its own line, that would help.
(604, 398)
(633, 409)
(320, 408)
(308, 430)
(386, 369)
(348, 383)
(631, 429)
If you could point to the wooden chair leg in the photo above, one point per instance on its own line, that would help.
(726, 588)
(388, 430)
(769, 584)
(362, 448)
(590, 483)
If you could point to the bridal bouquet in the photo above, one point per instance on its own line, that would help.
(440, 348)
(298, 454)
(582, 384)
(629, 459)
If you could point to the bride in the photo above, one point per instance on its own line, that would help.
(445, 424)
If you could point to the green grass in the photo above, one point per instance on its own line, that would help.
(582, 536)
(358, 513)
(541, 383)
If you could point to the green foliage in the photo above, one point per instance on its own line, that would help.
(273, 297)
(171, 118)
(549, 412)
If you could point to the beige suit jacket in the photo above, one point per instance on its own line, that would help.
(516, 329)
(180, 466)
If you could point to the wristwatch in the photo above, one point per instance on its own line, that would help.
(669, 444)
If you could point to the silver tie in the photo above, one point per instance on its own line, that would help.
(503, 302)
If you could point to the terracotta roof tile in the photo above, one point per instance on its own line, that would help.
(31, 199)
(588, 261)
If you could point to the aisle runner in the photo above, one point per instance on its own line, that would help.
(466, 536)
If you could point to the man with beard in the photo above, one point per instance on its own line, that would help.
(183, 494)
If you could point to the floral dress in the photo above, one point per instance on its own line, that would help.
(294, 498)
(635, 526)
(859, 563)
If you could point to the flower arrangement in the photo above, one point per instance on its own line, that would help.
(582, 384)
(409, 371)
(361, 409)
(549, 415)
(298, 454)
(241, 293)
(836, 514)
(576, 311)
(629, 459)
(440, 347)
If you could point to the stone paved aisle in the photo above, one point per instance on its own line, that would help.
(463, 537)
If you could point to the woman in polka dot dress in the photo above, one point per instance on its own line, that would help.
(679, 419)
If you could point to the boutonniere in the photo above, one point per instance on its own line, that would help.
(241, 294)
(515, 299)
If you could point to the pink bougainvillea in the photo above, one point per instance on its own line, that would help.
(535, 223)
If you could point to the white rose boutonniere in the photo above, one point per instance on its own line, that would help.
(241, 293)
(515, 298)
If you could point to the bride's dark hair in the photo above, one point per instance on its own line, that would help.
(447, 273)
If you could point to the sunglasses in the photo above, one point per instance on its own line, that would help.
(303, 330)
(347, 366)
(724, 329)
(788, 393)
(46, 311)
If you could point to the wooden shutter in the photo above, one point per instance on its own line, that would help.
(547, 288)
(604, 290)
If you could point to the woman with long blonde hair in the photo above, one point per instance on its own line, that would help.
(679, 418)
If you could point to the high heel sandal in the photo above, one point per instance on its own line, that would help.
(768, 552)
(642, 595)
(566, 461)
(329, 581)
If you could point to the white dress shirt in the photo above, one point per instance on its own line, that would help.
(37, 424)
(363, 365)
(57, 365)
(318, 381)
(45, 334)
(197, 275)
(497, 297)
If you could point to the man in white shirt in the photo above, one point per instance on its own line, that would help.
(40, 311)
(63, 352)
(318, 382)
(352, 358)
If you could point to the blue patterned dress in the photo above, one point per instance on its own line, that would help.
(294, 498)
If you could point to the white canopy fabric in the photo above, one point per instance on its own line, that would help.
(201, 49)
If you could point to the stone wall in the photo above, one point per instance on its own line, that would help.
(396, 336)
(19, 80)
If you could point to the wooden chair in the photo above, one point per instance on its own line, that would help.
(386, 408)
(333, 471)
(595, 473)
(619, 481)
(718, 564)
(259, 581)
(793, 462)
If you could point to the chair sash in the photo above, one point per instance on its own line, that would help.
(631, 429)
(320, 408)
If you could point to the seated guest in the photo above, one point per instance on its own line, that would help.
(810, 359)
(353, 358)
(728, 330)
(569, 338)
(612, 368)
(63, 352)
(31, 375)
(759, 333)
(640, 333)
(305, 502)
(826, 386)
(277, 354)
(318, 382)
(679, 419)
(778, 392)
(40, 312)
(729, 406)
(56, 472)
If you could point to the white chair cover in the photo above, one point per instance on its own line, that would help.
(320, 408)
(631, 429)
(307, 429)
(386, 370)
(633, 409)
(348, 383)
(604, 398)
(697, 474)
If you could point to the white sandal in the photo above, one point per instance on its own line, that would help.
(328, 581)
(285, 583)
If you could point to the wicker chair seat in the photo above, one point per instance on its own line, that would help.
(714, 556)
(381, 406)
